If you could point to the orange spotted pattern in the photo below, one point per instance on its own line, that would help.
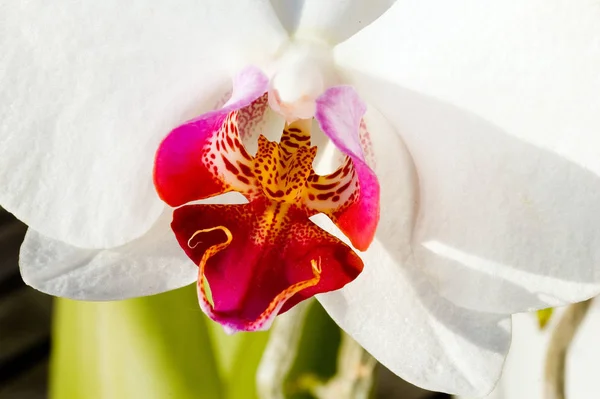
(280, 171)
(228, 160)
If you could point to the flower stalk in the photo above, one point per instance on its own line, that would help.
(558, 349)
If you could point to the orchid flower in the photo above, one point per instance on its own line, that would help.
(462, 137)
(263, 257)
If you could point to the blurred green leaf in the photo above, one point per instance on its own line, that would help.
(316, 359)
(164, 347)
(242, 378)
(153, 347)
(544, 316)
(238, 357)
(309, 357)
(225, 347)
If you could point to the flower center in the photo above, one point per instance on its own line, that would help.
(281, 171)
(283, 168)
(303, 72)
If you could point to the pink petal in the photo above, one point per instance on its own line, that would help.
(181, 174)
(339, 113)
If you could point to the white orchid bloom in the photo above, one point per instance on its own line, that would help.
(483, 126)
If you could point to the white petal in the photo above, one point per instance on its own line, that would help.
(395, 312)
(503, 225)
(89, 88)
(152, 264)
(500, 114)
(149, 265)
(332, 21)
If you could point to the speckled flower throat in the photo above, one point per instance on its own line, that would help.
(282, 172)
(263, 257)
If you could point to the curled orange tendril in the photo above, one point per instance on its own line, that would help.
(275, 303)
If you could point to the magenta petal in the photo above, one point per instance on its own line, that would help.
(180, 175)
(339, 113)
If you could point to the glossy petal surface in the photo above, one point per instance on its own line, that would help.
(500, 116)
(395, 311)
(88, 91)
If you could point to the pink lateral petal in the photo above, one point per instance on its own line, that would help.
(339, 113)
(252, 281)
(180, 175)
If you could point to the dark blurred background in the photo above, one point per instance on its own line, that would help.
(25, 316)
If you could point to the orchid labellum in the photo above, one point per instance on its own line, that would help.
(426, 168)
